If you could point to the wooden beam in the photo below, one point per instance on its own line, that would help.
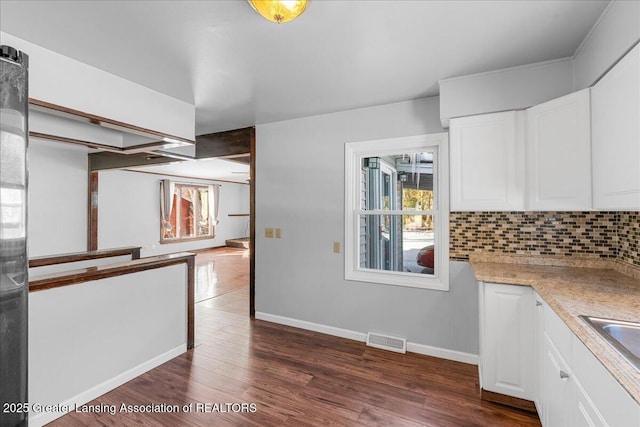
(233, 145)
(105, 160)
(222, 144)
(41, 261)
(92, 232)
(191, 302)
(252, 224)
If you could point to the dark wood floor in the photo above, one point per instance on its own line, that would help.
(296, 377)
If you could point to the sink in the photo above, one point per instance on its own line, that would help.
(623, 336)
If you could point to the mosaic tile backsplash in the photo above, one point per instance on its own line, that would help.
(602, 234)
(629, 237)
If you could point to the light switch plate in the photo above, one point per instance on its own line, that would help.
(278, 233)
(336, 247)
(268, 232)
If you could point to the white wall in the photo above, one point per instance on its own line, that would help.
(507, 89)
(89, 338)
(616, 32)
(57, 206)
(129, 213)
(300, 188)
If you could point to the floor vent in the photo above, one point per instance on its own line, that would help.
(399, 345)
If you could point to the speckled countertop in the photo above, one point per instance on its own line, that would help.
(573, 287)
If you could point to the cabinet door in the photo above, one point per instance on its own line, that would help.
(615, 121)
(558, 154)
(507, 340)
(487, 162)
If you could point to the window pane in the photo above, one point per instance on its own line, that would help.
(397, 243)
(187, 223)
(204, 227)
(397, 182)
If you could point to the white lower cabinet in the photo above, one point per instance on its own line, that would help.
(506, 340)
(572, 387)
(528, 352)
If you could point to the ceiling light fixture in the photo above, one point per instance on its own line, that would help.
(279, 11)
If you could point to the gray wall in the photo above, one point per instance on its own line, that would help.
(507, 89)
(617, 31)
(300, 188)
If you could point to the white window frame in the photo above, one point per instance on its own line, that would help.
(355, 152)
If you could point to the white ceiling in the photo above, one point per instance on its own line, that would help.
(212, 169)
(241, 70)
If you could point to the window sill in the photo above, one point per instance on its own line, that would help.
(411, 280)
(187, 239)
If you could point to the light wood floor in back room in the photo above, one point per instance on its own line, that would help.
(294, 377)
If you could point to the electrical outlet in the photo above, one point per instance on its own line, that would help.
(336, 247)
(268, 232)
(278, 233)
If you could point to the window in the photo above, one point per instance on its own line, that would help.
(396, 211)
(187, 211)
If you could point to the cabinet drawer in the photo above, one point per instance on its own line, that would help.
(556, 378)
(585, 412)
(613, 402)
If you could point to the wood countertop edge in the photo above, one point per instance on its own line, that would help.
(65, 278)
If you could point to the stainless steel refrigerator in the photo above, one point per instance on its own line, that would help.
(14, 284)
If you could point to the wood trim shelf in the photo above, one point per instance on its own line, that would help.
(134, 251)
(151, 147)
(66, 278)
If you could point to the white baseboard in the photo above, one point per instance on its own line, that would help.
(310, 326)
(427, 350)
(40, 419)
(443, 353)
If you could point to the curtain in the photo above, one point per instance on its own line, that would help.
(167, 188)
(214, 204)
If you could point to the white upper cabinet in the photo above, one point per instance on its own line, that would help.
(487, 162)
(558, 154)
(615, 104)
(538, 159)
